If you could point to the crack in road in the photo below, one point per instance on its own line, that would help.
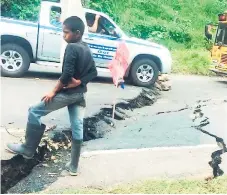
(216, 159)
(17, 168)
(191, 107)
(171, 111)
(91, 125)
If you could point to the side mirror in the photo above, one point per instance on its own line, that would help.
(208, 32)
(117, 33)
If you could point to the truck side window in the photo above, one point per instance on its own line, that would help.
(55, 16)
(100, 25)
(109, 26)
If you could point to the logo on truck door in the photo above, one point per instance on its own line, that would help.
(102, 52)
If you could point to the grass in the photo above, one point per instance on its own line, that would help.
(215, 186)
(177, 24)
(191, 62)
(174, 23)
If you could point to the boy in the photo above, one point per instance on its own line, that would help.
(78, 69)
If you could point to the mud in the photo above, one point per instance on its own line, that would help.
(15, 169)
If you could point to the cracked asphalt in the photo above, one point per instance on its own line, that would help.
(168, 122)
(18, 94)
(145, 128)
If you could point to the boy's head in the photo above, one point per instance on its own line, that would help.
(73, 29)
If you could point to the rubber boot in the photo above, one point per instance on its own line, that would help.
(33, 137)
(72, 166)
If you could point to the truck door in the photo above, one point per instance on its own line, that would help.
(50, 34)
(50, 29)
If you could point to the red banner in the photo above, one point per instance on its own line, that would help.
(119, 64)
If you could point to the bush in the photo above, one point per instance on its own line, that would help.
(191, 62)
(21, 9)
(172, 21)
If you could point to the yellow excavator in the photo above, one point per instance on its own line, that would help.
(219, 47)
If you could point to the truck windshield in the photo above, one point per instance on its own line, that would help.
(221, 36)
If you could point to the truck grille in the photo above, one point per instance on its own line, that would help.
(224, 58)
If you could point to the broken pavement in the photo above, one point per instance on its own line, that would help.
(170, 128)
(16, 168)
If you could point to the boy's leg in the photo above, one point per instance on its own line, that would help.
(61, 100)
(76, 115)
(35, 128)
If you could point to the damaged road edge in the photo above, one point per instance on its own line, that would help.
(17, 168)
(146, 98)
(216, 158)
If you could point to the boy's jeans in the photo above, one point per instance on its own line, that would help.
(76, 106)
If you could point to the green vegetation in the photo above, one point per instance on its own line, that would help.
(216, 186)
(177, 24)
(21, 9)
(194, 61)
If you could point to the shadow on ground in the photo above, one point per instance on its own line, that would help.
(223, 82)
(55, 76)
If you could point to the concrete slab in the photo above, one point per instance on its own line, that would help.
(103, 168)
(7, 138)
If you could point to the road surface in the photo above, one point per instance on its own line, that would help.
(148, 130)
(18, 94)
(166, 123)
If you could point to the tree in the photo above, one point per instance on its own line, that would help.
(20, 9)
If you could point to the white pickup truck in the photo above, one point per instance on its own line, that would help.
(39, 42)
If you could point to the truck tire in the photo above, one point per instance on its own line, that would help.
(144, 73)
(15, 60)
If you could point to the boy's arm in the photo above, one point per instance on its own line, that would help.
(69, 65)
(94, 27)
(67, 72)
(92, 73)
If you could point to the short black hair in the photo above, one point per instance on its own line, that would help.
(74, 23)
(90, 16)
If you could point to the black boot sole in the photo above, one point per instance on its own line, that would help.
(11, 151)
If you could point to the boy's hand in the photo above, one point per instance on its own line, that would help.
(73, 83)
(47, 98)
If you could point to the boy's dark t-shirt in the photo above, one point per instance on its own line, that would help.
(78, 63)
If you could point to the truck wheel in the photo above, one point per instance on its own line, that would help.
(15, 60)
(144, 73)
